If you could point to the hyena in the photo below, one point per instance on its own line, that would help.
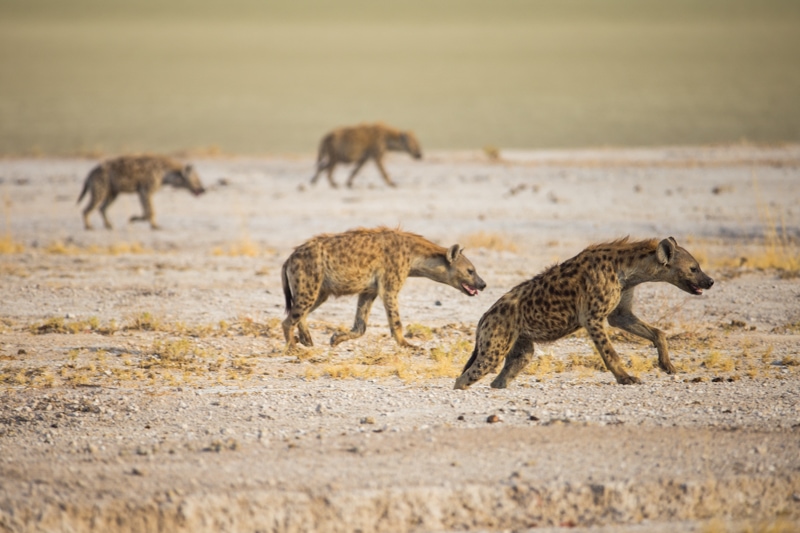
(357, 144)
(143, 175)
(370, 263)
(595, 285)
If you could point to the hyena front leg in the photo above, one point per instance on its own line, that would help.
(389, 298)
(365, 300)
(623, 318)
(385, 174)
(359, 164)
(146, 199)
(516, 360)
(597, 332)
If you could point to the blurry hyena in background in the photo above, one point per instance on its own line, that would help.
(143, 175)
(357, 144)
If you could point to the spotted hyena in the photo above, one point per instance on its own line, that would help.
(143, 175)
(370, 263)
(595, 285)
(357, 144)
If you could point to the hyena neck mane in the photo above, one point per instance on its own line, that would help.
(634, 261)
(394, 140)
(428, 260)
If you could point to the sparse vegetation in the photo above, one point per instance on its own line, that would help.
(61, 325)
(9, 246)
(418, 331)
(489, 241)
(144, 322)
(244, 247)
(58, 247)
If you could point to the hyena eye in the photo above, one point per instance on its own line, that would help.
(694, 270)
(470, 271)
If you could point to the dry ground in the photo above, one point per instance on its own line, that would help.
(144, 386)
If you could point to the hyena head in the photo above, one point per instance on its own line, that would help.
(185, 178)
(680, 268)
(410, 144)
(461, 272)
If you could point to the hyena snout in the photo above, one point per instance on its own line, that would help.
(696, 282)
(471, 284)
(191, 180)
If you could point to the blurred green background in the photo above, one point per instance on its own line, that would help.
(259, 77)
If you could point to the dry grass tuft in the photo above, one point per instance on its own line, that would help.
(640, 365)
(60, 325)
(245, 247)
(384, 360)
(489, 241)
(791, 328)
(9, 246)
(716, 360)
(181, 354)
(492, 153)
(37, 377)
(118, 248)
(544, 365)
(144, 322)
(418, 331)
(775, 250)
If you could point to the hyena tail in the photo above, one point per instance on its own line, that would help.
(287, 290)
(471, 359)
(88, 182)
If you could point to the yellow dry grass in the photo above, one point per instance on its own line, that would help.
(245, 247)
(488, 241)
(10, 246)
(776, 249)
(58, 247)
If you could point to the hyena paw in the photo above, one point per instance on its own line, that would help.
(629, 380)
(668, 368)
(338, 338)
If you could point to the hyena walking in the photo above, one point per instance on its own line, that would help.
(595, 285)
(357, 144)
(370, 263)
(143, 175)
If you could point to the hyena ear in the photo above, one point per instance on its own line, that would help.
(666, 250)
(452, 253)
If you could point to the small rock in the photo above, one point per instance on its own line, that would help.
(493, 419)
(137, 471)
(367, 420)
(22, 351)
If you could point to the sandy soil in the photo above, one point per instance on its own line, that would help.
(145, 386)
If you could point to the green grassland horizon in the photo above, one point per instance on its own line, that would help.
(255, 77)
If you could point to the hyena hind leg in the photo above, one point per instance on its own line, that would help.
(517, 359)
(488, 354)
